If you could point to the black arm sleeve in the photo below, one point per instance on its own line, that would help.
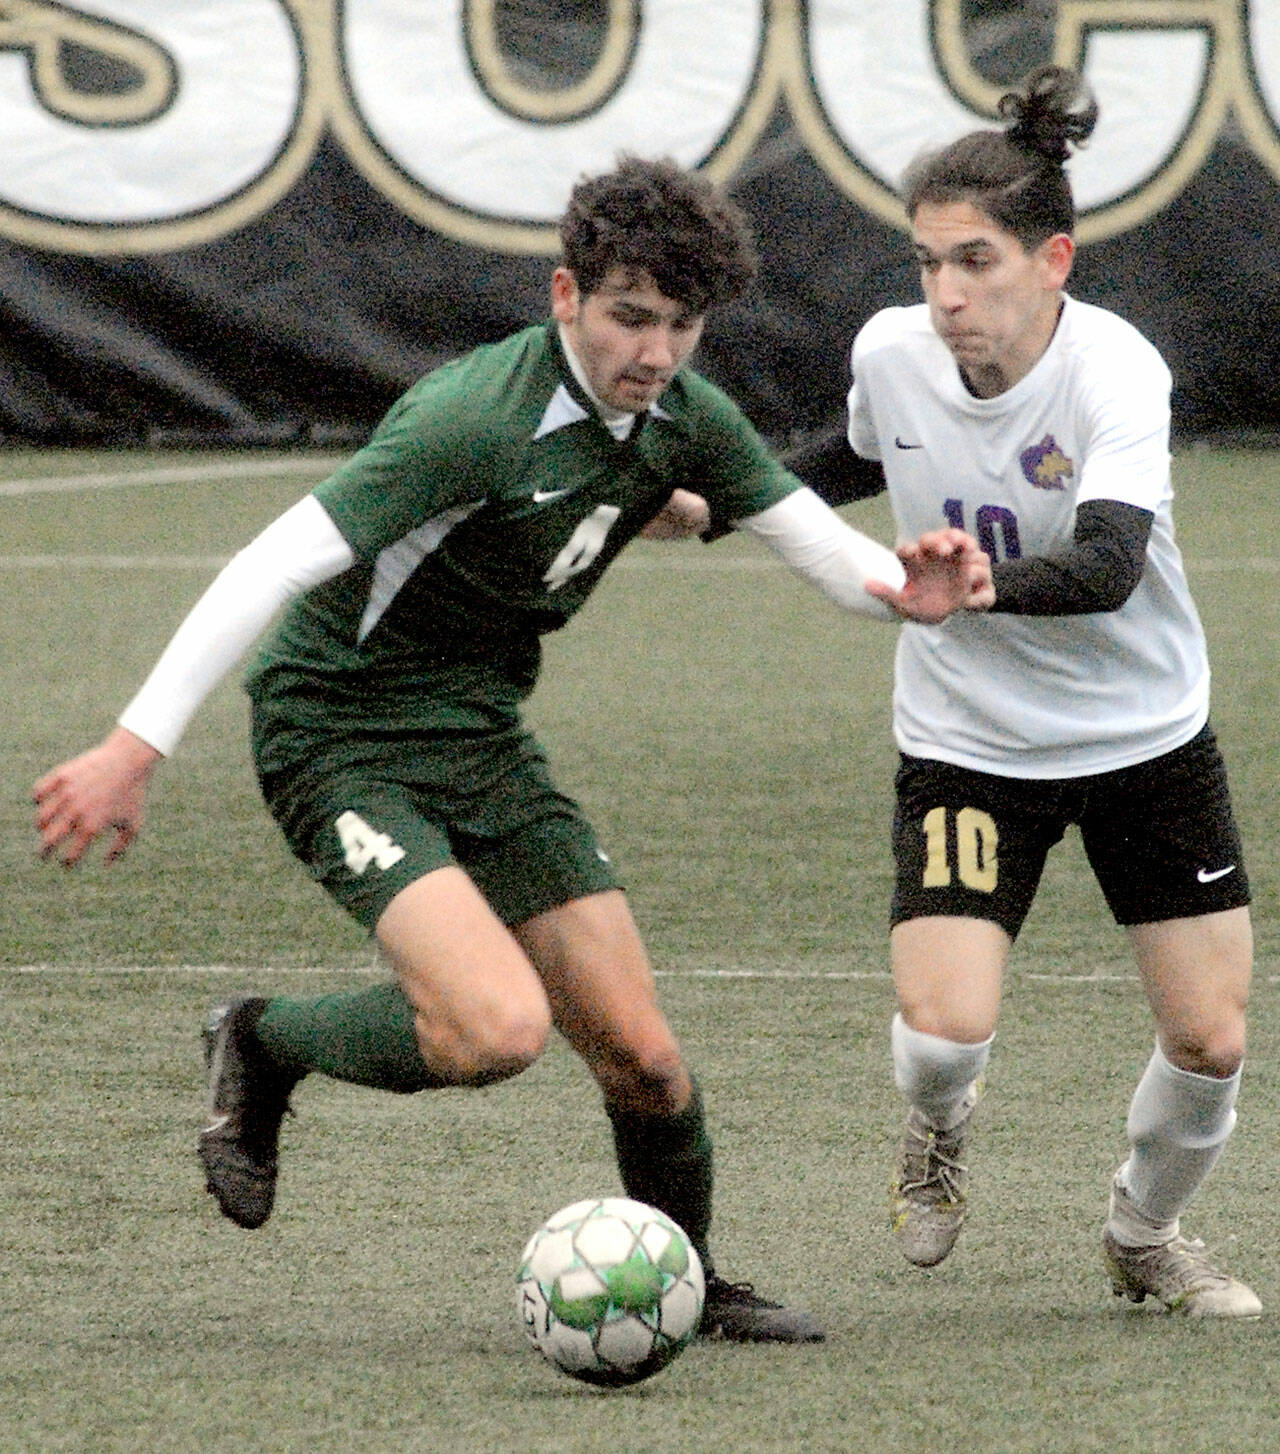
(827, 464)
(1097, 572)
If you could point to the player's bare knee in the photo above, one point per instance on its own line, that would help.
(1200, 1062)
(489, 1049)
(1216, 1051)
(654, 1083)
(519, 1043)
(961, 1024)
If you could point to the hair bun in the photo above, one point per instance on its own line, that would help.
(1054, 111)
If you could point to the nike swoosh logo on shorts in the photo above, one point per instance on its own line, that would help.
(540, 497)
(216, 1124)
(897, 439)
(1207, 877)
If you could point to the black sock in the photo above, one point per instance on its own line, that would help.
(666, 1162)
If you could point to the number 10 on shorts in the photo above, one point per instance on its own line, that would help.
(975, 839)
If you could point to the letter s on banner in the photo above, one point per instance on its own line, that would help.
(1162, 83)
(202, 142)
(432, 115)
(1259, 93)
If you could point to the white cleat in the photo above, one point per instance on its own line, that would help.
(928, 1199)
(1180, 1275)
(1176, 1272)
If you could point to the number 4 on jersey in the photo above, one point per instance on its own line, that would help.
(364, 845)
(586, 542)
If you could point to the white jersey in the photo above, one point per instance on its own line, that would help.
(1034, 696)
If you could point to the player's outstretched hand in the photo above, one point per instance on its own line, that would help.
(101, 791)
(946, 572)
(683, 515)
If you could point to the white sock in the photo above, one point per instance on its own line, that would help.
(1178, 1124)
(934, 1074)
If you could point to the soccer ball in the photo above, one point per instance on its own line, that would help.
(610, 1291)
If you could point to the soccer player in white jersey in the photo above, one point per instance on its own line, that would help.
(1041, 424)
(416, 584)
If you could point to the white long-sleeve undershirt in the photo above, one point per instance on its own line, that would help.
(296, 551)
(304, 547)
(839, 560)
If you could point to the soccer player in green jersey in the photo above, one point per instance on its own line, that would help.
(416, 582)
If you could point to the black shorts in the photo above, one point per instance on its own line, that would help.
(1160, 837)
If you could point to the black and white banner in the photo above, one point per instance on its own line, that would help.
(258, 220)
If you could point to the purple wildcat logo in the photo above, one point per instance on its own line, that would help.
(1045, 466)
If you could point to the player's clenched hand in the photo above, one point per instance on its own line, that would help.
(101, 791)
(683, 515)
(946, 572)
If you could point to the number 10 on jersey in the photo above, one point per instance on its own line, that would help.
(995, 526)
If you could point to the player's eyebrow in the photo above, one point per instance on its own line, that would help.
(970, 247)
(630, 311)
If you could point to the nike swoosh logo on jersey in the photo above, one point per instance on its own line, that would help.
(897, 439)
(540, 497)
(1205, 877)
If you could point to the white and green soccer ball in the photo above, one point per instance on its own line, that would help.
(610, 1291)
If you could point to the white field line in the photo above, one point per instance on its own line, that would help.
(317, 466)
(692, 561)
(1232, 563)
(113, 562)
(320, 465)
(260, 971)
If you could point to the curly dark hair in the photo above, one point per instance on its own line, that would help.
(657, 218)
(1015, 175)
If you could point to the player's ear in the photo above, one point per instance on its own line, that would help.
(564, 295)
(1057, 252)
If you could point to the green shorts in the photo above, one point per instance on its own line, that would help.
(368, 827)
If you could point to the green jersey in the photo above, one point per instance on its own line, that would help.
(482, 513)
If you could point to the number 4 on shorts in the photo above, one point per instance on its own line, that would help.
(363, 845)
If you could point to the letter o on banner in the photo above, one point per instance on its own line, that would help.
(426, 127)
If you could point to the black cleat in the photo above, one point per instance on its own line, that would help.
(248, 1100)
(734, 1311)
